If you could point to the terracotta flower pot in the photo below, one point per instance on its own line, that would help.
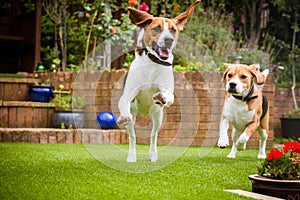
(273, 187)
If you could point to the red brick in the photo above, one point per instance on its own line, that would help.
(106, 139)
(112, 137)
(16, 136)
(3, 116)
(26, 136)
(12, 117)
(117, 75)
(94, 138)
(69, 137)
(105, 77)
(61, 136)
(61, 77)
(29, 117)
(77, 137)
(52, 137)
(34, 137)
(44, 137)
(84, 136)
(124, 138)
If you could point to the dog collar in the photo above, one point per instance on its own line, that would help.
(152, 57)
(156, 60)
(248, 97)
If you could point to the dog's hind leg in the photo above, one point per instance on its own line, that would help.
(262, 143)
(157, 118)
(132, 140)
(234, 148)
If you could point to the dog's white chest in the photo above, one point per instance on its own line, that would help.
(238, 113)
(146, 78)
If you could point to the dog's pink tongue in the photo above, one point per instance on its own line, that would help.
(163, 53)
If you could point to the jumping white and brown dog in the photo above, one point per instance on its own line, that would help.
(245, 107)
(149, 83)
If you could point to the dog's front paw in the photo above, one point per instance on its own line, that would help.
(223, 143)
(131, 157)
(159, 99)
(231, 155)
(153, 157)
(123, 120)
(261, 156)
(241, 142)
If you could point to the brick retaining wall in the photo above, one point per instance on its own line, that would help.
(193, 119)
(195, 113)
(26, 114)
(63, 136)
(15, 89)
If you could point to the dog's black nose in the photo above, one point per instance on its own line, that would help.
(232, 85)
(168, 41)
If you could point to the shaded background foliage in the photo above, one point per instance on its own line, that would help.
(261, 31)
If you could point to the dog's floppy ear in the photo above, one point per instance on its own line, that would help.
(182, 18)
(139, 18)
(226, 66)
(259, 78)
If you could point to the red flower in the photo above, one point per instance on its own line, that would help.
(274, 153)
(113, 30)
(133, 2)
(175, 9)
(144, 7)
(291, 146)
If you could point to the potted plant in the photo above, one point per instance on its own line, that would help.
(68, 110)
(290, 124)
(40, 92)
(279, 173)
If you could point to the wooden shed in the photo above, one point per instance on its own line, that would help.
(20, 36)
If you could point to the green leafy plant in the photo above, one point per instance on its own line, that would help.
(295, 113)
(282, 164)
(64, 101)
(68, 102)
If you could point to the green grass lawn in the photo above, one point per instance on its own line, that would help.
(59, 171)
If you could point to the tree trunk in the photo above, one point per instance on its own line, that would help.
(62, 47)
(64, 50)
(294, 70)
(254, 10)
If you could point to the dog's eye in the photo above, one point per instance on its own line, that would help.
(173, 31)
(157, 29)
(243, 77)
(229, 75)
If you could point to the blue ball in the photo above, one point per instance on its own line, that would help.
(106, 120)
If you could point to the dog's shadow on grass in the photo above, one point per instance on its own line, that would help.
(114, 156)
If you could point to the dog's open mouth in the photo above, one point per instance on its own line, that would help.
(233, 91)
(162, 52)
